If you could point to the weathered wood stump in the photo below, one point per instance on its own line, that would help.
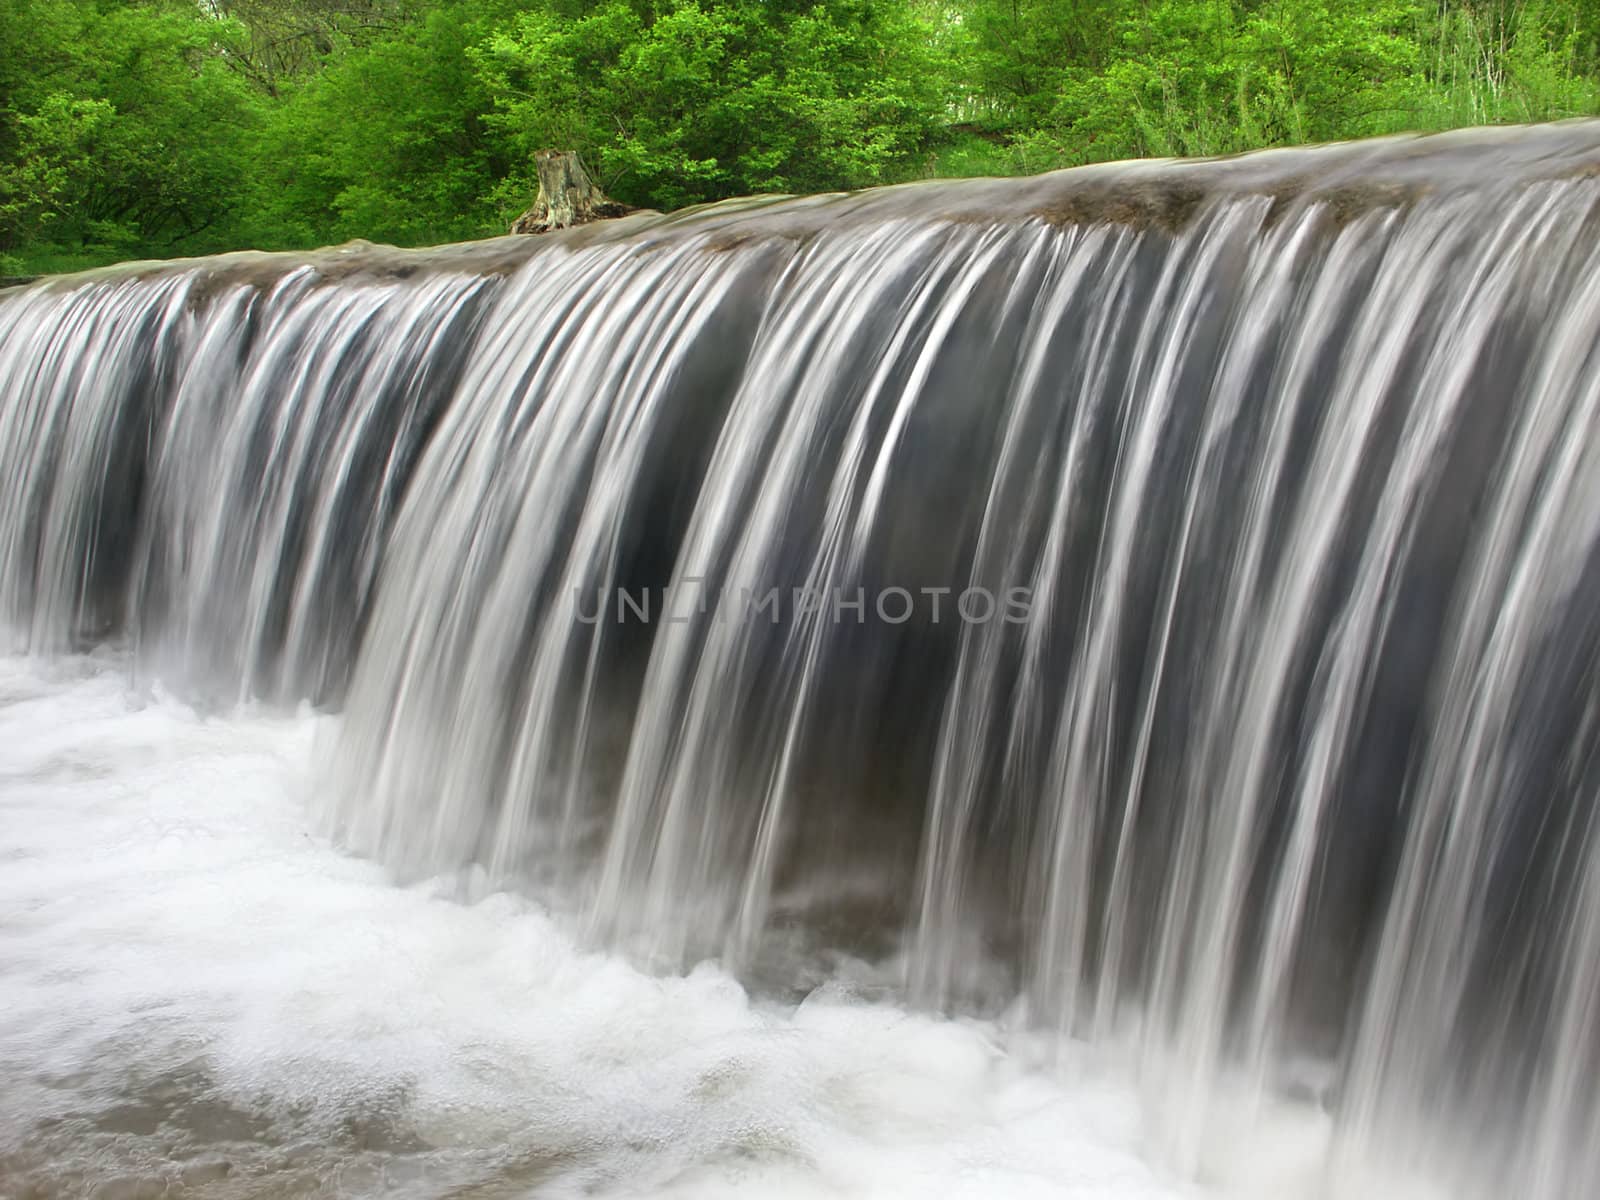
(567, 196)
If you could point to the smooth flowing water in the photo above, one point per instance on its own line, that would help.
(1145, 613)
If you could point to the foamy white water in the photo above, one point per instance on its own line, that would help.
(202, 997)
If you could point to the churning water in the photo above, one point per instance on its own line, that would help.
(1147, 614)
(200, 1000)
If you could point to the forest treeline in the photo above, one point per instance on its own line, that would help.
(140, 128)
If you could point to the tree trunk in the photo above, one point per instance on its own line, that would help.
(567, 196)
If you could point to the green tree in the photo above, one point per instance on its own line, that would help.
(692, 100)
(388, 141)
(158, 127)
(1201, 77)
(121, 129)
(1021, 54)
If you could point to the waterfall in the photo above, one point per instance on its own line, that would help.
(1156, 600)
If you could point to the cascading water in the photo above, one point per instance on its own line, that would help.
(1160, 596)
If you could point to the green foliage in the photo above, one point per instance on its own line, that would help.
(121, 127)
(689, 100)
(52, 154)
(1500, 61)
(387, 142)
(159, 127)
(1202, 77)
(1205, 77)
(1022, 53)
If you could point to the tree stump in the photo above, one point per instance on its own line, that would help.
(567, 196)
